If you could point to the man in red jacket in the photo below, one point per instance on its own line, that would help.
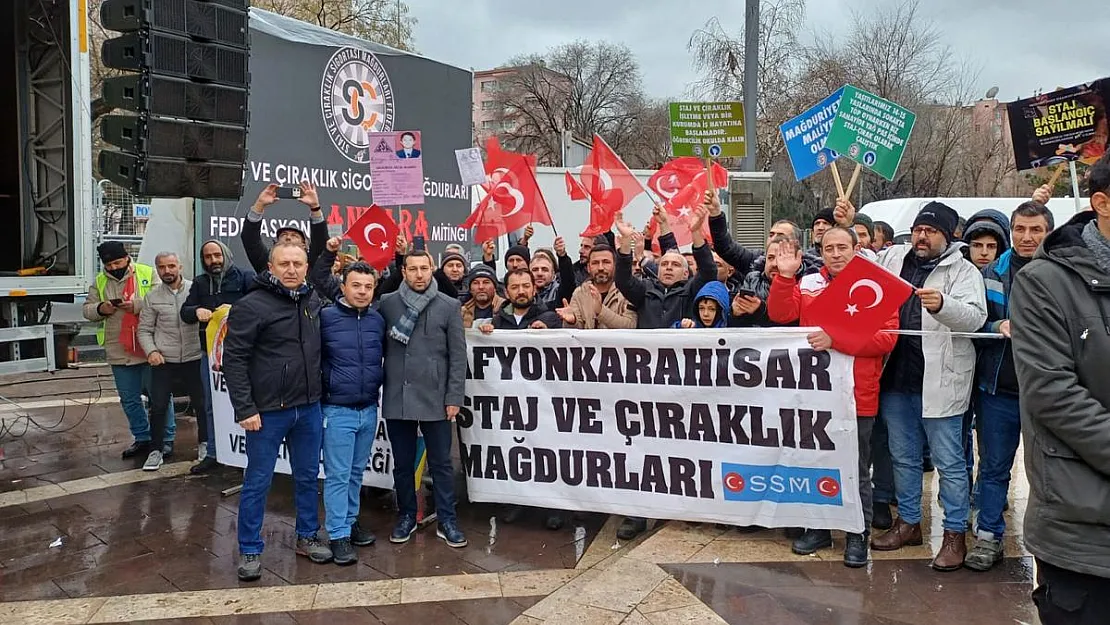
(792, 299)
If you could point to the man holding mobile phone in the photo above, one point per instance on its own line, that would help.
(115, 300)
(258, 253)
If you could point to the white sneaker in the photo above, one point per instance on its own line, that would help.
(153, 461)
(202, 452)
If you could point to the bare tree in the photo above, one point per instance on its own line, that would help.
(720, 58)
(582, 87)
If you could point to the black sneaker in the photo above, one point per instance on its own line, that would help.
(250, 567)
(204, 466)
(881, 519)
(139, 449)
(403, 531)
(342, 552)
(512, 514)
(855, 551)
(361, 537)
(451, 534)
(631, 527)
(555, 522)
(811, 541)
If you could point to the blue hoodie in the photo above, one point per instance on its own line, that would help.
(716, 291)
(989, 221)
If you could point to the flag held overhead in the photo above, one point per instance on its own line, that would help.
(374, 233)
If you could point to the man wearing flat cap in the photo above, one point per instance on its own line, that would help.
(115, 300)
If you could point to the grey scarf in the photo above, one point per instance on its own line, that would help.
(1098, 244)
(415, 303)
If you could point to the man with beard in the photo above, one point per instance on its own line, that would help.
(484, 300)
(272, 369)
(551, 288)
(582, 265)
(927, 381)
(173, 351)
(257, 252)
(523, 312)
(221, 283)
(597, 304)
(115, 300)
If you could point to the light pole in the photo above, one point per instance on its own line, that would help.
(751, 82)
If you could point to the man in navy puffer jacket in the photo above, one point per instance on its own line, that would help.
(351, 336)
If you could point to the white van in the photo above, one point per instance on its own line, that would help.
(900, 213)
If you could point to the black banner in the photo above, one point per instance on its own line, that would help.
(1065, 125)
(315, 95)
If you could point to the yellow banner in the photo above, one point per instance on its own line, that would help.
(214, 335)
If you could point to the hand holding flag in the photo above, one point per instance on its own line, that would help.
(858, 302)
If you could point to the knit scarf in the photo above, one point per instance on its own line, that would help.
(294, 294)
(1098, 244)
(415, 303)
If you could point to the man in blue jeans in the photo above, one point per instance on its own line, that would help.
(927, 380)
(220, 283)
(425, 371)
(351, 358)
(999, 410)
(272, 369)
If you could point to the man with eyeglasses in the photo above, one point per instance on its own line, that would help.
(926, 384)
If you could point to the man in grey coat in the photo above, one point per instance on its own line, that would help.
(173, 351)
(1060, 322)
(425, 373)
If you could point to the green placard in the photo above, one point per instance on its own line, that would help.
(871, 131)
(708, 129)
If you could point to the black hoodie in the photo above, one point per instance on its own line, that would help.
(211, 290)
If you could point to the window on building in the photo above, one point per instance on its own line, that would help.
(489, 105)
(508, 124)
(488, 125)
(489, 86)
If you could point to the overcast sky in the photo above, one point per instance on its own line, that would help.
(1020, 45)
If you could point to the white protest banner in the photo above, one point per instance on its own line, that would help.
(744, 427)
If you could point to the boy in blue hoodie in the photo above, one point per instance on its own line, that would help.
(711, 306)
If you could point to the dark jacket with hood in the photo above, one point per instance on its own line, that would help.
(505, 320)
(272, 350)
(351, 355)
(758, 282)
(717, 292)
(660, 306)
(212, 290)
(987, 221)
(562, 285)
(1060, 316)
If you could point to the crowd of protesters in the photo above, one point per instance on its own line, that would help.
(315, 336)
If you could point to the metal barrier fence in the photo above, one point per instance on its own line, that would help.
(121, 215)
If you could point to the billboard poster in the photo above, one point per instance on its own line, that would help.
(1064, 125)
(317, 100)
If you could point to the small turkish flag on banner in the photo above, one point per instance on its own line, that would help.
(374, 233)
(858, 302)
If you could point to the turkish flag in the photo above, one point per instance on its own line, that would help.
(681, 183)
(610, 185)
(375, 234)
(858, 302)
(514, 200)
(574, 188)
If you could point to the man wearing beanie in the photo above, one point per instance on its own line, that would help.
(517, 257)
(115, 300)
(987, 236)
(453, 265)
(220, 283)
(927, 381)
(258, 253)
(821, 223)
(865, 230)
(481, 285)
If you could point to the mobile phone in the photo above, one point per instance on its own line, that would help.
(288, 193)
(116, 302)
(746, 293)
(418, 243)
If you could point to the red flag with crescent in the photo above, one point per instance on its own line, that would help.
(610, 185)
(375, 234)
(681, 184)
(514, 200)
(858, 302)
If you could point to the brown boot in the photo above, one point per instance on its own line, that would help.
(899, 536)
(952, 552)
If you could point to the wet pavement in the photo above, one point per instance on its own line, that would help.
(86, 537)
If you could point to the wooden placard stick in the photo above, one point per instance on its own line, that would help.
(837, 180)
(709, 175)
(1060, 169)
(852, 182)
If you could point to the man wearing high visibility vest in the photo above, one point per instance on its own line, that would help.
(115, 300)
